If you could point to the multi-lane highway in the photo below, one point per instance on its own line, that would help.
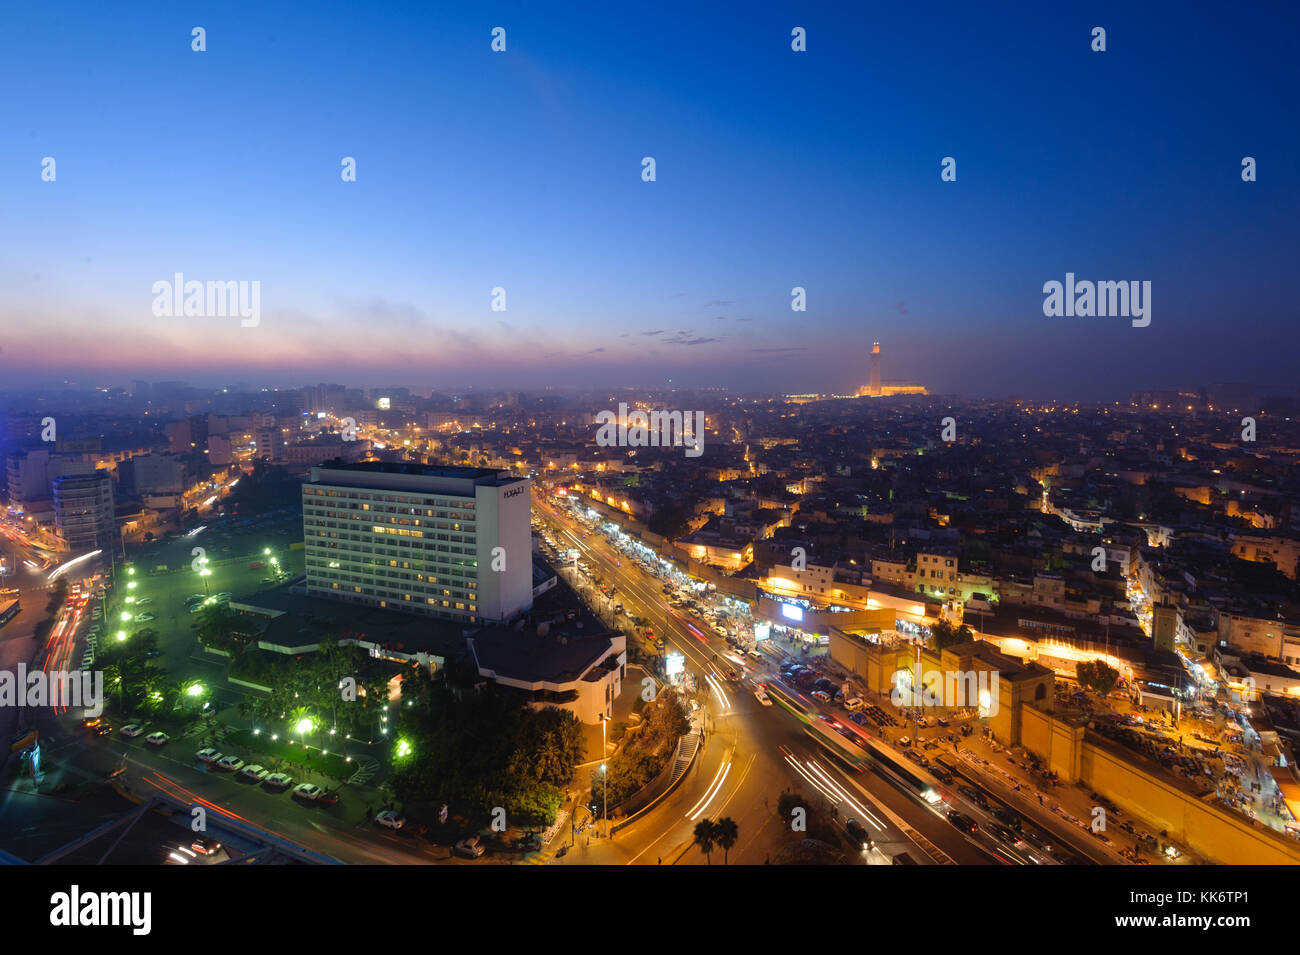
(754, 752)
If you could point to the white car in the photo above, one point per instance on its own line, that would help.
(231, 763)
(157, 739)
(307, 791)
(469, 848)
(144, 600)
(391, 819)
(278, 780)
(208, 756)
(854, 703)
(763, 698)
(255, 773)
(131, 730)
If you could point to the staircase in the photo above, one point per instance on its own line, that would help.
(686, 748)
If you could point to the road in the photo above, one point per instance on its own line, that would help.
(754, 752)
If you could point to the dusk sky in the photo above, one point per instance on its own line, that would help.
(775, 169)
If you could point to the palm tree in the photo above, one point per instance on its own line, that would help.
(726, 832)
(706, 835)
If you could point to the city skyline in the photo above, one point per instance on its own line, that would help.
(650, 434)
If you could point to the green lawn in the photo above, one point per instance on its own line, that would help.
(333, 764)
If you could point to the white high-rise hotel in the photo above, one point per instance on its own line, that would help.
(420, 539)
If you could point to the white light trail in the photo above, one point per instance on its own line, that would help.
(713, 792)
(76, 560)
(717, 688)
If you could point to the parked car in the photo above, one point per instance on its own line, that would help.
(308, 791)
(255, 773)
(469, 848)
(329, 797)
(157, 739)
(821, 695)
(858, 833)
(230, 763)
(278, 781)
(854, 703)
(208, 756)
(131, 730)
(390, 819)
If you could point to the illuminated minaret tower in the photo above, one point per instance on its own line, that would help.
(873, 388)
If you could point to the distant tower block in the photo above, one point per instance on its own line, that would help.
(874, 387)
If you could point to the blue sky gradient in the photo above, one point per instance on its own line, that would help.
(775, 169)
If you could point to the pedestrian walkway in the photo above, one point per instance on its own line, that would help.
(544, 857)
(686, 748)
(366, 770)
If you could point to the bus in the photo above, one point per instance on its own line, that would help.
(861, 753)
(828, 735)
(789, 700)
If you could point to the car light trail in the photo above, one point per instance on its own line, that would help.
(717, 688)
(812, 780)
(862, 810)
(168, 785)
(712, 794)
(76, 560)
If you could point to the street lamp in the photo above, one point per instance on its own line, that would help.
(604, 722)
(604, 791)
